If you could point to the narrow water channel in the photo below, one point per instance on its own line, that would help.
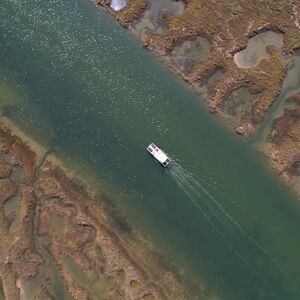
(75, 80)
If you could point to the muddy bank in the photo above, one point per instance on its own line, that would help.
(94, 251)
(230, 26)
(284, 141)
(241, 57)
(131, 12)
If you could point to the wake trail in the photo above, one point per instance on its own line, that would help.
(209, 219)
(187, 182)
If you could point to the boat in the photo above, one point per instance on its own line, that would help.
(159, 155)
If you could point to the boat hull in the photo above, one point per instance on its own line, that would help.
(159, 155)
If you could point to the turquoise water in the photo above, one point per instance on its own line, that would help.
(78, 82)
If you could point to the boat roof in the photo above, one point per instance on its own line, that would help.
(160, 155)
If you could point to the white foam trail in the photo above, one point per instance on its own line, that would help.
(187, 181)
(185, 186)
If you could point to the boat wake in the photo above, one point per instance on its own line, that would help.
(216, 215)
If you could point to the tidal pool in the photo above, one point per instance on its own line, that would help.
(238, 104)
(290, 86)
(189, 53)
(92, 93)
(151, 21)
(13, 206)
(256, 48)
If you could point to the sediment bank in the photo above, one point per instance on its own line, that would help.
(230, 26)
(73, 225)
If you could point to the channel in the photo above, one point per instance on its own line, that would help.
(83, 86)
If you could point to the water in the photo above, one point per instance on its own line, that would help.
(290, 86)
(256, 48)
(152, 22)
(87, 88)
(238, 104)
(189, 53)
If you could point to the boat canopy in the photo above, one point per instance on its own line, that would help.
(159, 155)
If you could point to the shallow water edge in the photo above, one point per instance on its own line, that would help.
(64, 211)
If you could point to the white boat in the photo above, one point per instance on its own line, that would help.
(159, 155)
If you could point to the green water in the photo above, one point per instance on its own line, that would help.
(78, 82)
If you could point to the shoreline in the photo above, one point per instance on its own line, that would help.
(48, 195)
(257, 79)
(92, 233)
